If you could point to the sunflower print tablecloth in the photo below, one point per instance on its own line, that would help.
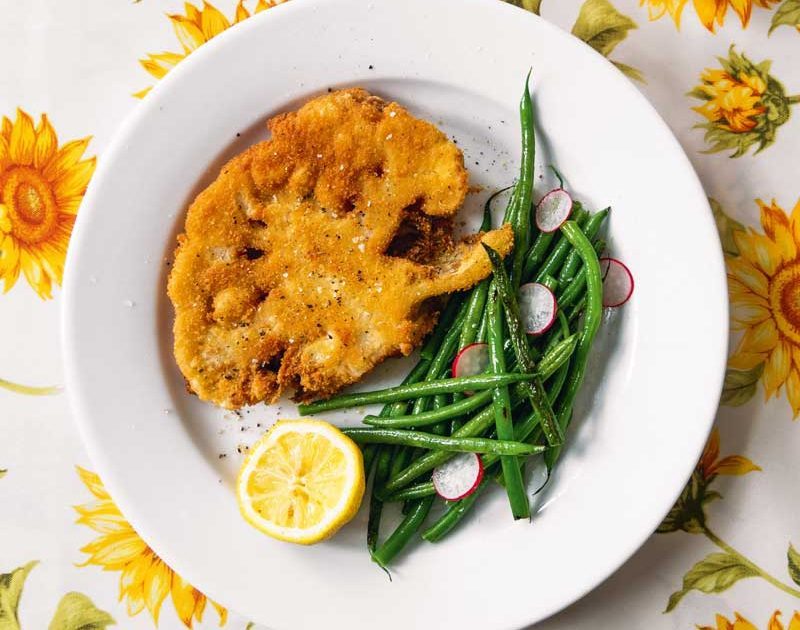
(725, 74)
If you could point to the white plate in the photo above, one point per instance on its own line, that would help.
(655, 379)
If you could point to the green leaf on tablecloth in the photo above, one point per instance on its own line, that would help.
(529, 5)
(77, 612)
(602, 27)
(788, 14)
(794, 564)
(10, 591)
(3, 472)
(630, 71)
(726, 226)
(715, 573)
(740, 385)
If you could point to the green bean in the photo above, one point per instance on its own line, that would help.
(591, 229)
(550, 282)
(556, 356)
(417, 491)
(476, 425)
(591, 323)
(553, 359)
(368, 435)
(561, 250)
(577, 286)
(455, 512)
(501, 404)
(522, 218)
(474, 312)
(480, 336)
(401, 457)
(368, 455)
(407, 392)
(519, 342)
(523, 431)
(375, 503)
(414, 376)
(455, 410)
(401, 536)
(537, 252)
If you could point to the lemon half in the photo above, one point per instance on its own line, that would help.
(301, 481)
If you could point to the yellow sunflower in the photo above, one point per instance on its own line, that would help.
(740, 623)
(193, 29)
(732, 102)
(710, 12)
(145, 580)
(41, 187)
(764, 287)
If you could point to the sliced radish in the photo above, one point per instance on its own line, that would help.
(471, 361)
(537, 306)
(617, 282)
(458, 477)
(553, 209)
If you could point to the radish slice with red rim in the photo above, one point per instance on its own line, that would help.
(458, 477)
(553, 209)
(537, 306)
(472, 360)
(617, 282)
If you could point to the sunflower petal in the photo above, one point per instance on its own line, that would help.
(776, 226)
(710, 452)
(46, 143)
(221, 611)
(114, 551)
(746, 360)
(706, 11)
(793, 392)
(156, 587)
(759, 250)
(760, 338)
(188, 33)
(746, 273)
(131, 578)
(192, 12)
(735, 465)
(742, 624)
(212, 21)
(69, 205)
(6, 128)
(743, 9)
(794, 221)
(722, 9)
(67, 157)
(34, 274)
(775, 621)
(777, 368)
(142, 93)
(241, 12)
(75, 180)
(794, 624)
(9, 256)
(185, 598)
(5, 222)
(23, 139)
(749, 311)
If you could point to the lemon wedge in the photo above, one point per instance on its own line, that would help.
(301, 481)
